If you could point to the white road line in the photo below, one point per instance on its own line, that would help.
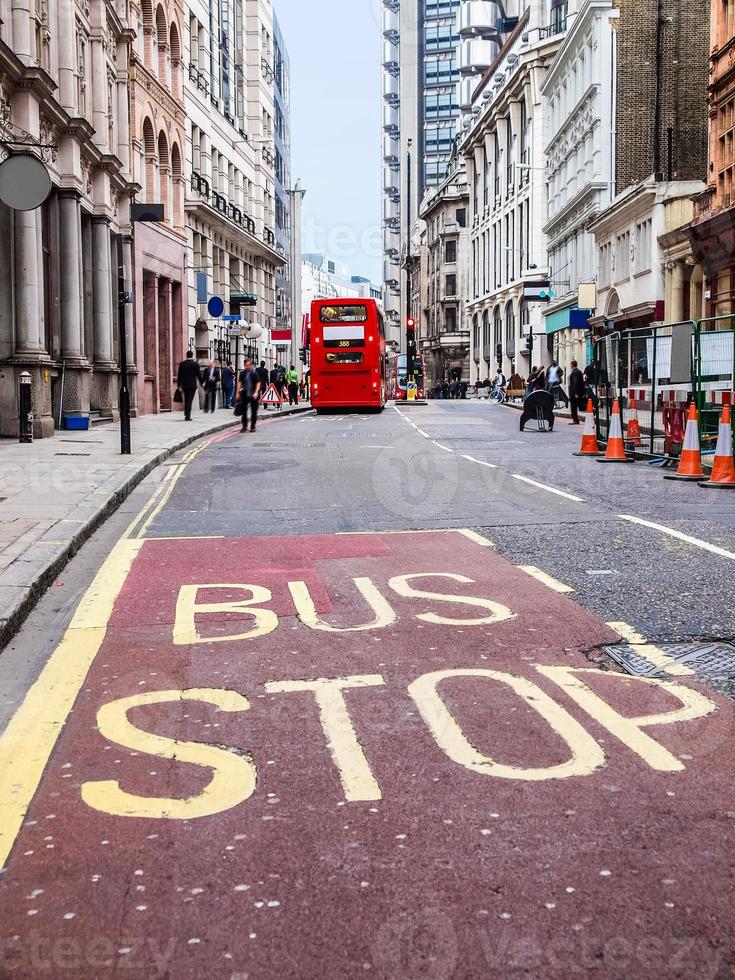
(445, 448)
(653, 654)
(546, 579)
(477, 538)
(424, 434)
(480, 462)
(543, 486)
(697, 542)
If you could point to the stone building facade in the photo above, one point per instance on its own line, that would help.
(230, 198)
(442, 329)
(64, 74)
(158, 141)
(712, 232)
(504, 140)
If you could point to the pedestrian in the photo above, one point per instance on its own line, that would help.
(531, 381)
(539, 383)
(500, 379)
(554, 378)
(278, 378)
(463, 386)
(292, 381)
(248, 395)
(188, 380)
(446, 391)
(590, 377)
(308, 384)
(211, 383)
(262, 373)
(576, 392)
(438, 390)
(302, 387)
(228, 383)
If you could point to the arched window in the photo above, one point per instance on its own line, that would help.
(148, 33)
(510, 329)
(509, 152)
(176, 65)
(496, 165)
(162, 45)
(525, 156)
(164, 170)
(497, 327)
(476, 338)
(150, 162)
(177, 180)
(486, 329)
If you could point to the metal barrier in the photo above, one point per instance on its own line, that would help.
(662, 369)
(653, 368)
(714, 373)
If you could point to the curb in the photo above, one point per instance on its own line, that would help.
(15, 616)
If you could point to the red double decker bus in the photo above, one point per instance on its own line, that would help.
(348, 355)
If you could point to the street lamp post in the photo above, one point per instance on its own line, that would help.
(138, 212)
(410, 334)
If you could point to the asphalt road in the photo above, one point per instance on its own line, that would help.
(333, 700)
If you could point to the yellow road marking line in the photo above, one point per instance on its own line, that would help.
(477, 538)
(546, 579)
(653, 654)
(29, 739)
(680, 536)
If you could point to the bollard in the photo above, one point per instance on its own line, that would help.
(25, 402)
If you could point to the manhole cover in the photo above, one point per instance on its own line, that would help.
(711, 659)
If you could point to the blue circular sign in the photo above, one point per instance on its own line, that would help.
(216, 307)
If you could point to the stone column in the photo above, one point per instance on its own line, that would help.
(99, 93)
(165, 369)
(21, 15)
(677, 293)
(102, 293)
(66, 47)
(27, 284)
(70, 258)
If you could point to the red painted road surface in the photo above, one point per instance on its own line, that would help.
(495, 828)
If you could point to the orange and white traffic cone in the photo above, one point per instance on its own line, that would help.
(690, 468)
(723, 471)
(634, 426)
(615, 445)
(590, 445)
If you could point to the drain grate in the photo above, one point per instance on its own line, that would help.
(72, 454)
(710, 659)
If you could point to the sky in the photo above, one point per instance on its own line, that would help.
(335, 52)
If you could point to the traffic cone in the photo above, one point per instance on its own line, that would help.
(634, 426)
(723, 471)
(615, 445)
(590, 445)
(690, 468)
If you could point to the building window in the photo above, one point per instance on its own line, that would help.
(497, 327)
(450, 251)
(622, 257)
(486, 329)
(461, 215)
(644, 234)
(451, 319)
(451, 286)
(510, 329)
(558, 16)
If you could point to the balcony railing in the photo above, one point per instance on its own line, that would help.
(199, 78)
(200, 185)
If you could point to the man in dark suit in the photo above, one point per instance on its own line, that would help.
(211, 382)
(262, 373)
(576, 392)
(188, 379)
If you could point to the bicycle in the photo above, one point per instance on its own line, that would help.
(498, 396)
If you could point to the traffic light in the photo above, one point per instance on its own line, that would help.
(411, 349)
(499, 352)
(529, 343)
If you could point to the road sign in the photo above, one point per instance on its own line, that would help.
(271, 396)
(216, 307)
(232, 318)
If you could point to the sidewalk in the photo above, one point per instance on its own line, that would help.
(56, 492)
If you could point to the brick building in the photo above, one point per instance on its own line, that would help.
(711, 234)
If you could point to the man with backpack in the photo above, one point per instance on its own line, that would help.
(278, 378)
(292, 380)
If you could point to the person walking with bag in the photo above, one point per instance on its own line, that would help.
(228, 383)
(248, 396)
(188, 380)
(211, 386)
